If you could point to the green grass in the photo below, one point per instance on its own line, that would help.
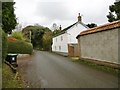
(104, 68)
(9, 79)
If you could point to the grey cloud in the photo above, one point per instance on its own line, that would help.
(53, 10)
(63, 13)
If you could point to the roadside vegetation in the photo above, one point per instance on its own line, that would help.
(18, 35)
(4, 43)
(104, 68)
(40, 37)
(19, 46)
(10, 79)
(15, 43)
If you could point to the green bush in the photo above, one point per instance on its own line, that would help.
(18, 35)
(3, 43)
(20, 47)
(27, 40)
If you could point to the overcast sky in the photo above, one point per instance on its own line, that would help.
(61, 12)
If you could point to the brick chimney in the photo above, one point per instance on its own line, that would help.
(79, 18)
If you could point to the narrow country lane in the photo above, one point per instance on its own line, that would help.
(48, 70)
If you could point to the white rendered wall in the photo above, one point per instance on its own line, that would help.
(74, 31)
(68, 37)
(57, 42)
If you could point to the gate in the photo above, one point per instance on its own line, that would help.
(73, 50)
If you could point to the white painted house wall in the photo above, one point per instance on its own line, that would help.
(74, 31)
(67, 38)
(60, 43)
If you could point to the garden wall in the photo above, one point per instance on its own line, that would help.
(100, 43)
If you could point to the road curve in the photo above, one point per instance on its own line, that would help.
(48, 70)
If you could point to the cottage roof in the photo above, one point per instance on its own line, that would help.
(104, 27)
(65, 29)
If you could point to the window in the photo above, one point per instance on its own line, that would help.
(59, 47)
(61, 38)
(56, 39)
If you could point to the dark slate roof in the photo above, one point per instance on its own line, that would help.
(65, 29)
(104, 27)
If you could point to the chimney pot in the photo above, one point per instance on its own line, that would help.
(60, 27)
(79, 17)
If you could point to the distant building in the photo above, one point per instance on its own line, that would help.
(67, 36)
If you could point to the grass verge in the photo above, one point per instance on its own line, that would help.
(104, 68)
(10, 79)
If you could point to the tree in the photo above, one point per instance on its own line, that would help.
(92, 25)
(55, 32)
(0, 13)
(47, 41)
(8, 17)
(37, 34)
(37, 38)
(114, 13)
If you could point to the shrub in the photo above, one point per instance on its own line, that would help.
(3, 43)
(11, 39)
(18, 35)
(27, 40)
(19, 47)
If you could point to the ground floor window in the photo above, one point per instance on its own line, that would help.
(59, 47)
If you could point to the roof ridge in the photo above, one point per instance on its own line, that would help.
(65, 29)
(83, 24)
(69, 26)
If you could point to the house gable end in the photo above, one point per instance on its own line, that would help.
(66, 29)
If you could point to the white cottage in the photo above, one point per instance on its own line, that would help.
(67, 36)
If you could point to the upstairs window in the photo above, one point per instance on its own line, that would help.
(61, 38)
(56, 39)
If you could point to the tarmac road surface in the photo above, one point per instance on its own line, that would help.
(49, 70)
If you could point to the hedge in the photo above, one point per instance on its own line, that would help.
(3, 43)
(19, 47)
